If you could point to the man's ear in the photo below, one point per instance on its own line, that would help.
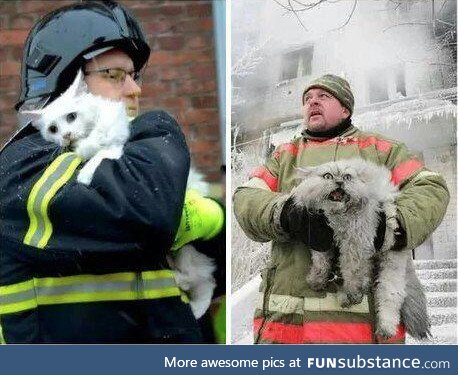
(346, 112)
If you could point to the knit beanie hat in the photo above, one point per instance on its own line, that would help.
(335, 85)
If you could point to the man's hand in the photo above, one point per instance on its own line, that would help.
(310, 228)
(400, 239)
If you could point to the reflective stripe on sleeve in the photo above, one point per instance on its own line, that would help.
(2, 338)
(54, 177)
(87, 288)
(297, 305)
(404, 170)
(264, 174)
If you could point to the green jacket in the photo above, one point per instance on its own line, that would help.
(288, 310)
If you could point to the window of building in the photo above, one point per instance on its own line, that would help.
(386, 83)
(297, 64)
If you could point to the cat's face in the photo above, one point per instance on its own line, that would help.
(343, 185)
(64, 121)
(65, 126)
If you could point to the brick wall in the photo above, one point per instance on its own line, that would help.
(180, 77)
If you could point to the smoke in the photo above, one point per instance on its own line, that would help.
(391, 46)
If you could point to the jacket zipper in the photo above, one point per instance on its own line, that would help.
(265, 302)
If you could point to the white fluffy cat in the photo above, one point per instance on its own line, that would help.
(194, 270)
(95, 128)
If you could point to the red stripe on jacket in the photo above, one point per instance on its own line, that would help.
(264, 174)
(321, 332)
(380, 144)
(288, 147)
(404, 170)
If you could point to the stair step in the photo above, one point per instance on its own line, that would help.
(435, 264)
(427, 274)
(444, 334)
(441, 299)
(439, 285)
(442, 315)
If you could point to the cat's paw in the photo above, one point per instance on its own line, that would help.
(387, 325)
(386, 329)
(85, 177)
(182, 281)
(199, 307)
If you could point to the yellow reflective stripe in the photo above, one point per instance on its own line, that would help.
(49, 195)
(87, 297)
(2, 338)
(330, 303)
(88, 288)
(80, 279)
(18, 306)
(184, 297)
(33, 194)
(16, 288)
(297, 305)
(161, 274)
(161, 293)
(54, 177)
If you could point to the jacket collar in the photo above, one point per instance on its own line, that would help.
(344, 129)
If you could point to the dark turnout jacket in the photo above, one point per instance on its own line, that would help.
(87, 263)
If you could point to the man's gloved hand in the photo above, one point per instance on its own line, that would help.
(310, 228)
(399, 236)
(202, 218)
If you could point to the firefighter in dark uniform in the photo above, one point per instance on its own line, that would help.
(87, 264)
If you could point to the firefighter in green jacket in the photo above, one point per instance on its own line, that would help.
(288, 310)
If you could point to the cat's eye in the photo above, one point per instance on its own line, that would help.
(346, 177)
(52, 128)
(71, 117)
(328, 176)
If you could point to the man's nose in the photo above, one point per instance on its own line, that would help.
(131, 88)
(313, 101)
(339, 183)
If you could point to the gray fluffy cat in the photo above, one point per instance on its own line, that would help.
(351, 193)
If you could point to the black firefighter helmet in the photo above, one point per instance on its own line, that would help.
(55, 46)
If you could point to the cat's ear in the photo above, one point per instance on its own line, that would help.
(305, 172)
(79, 86)
(34, 117)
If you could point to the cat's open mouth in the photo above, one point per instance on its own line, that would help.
(338, 195)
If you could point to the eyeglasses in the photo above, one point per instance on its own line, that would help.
(117, 75)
